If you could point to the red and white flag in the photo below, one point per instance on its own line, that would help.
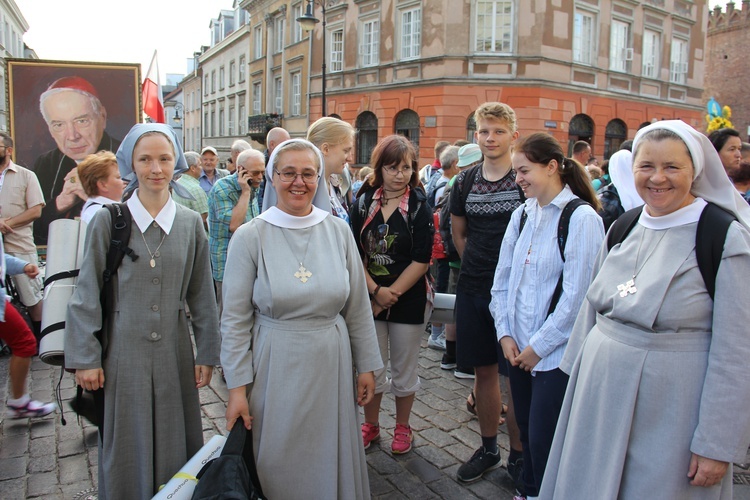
(153, 102)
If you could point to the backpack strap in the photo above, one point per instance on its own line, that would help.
(620, 229)
(122, 222)
(710, 237)
(467, 182)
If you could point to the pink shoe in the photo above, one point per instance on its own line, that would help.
(370, 433)
(402, 438)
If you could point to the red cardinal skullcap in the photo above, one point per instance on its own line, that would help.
(74, 83)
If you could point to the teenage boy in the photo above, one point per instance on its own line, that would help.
(480, 212)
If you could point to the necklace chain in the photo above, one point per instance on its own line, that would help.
(301, 274)
(629, 288)
(152, 262)
(386, 199)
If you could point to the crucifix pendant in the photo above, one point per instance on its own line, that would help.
(627, 288)
(152, 262)
(302, 274)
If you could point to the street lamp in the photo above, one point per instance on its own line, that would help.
(177, 118)
(308, 22)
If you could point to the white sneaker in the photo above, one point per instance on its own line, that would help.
(31, 409)
(438, 343)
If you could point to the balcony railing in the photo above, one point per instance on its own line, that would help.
(258, 126)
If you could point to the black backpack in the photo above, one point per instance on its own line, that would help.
(445, 228)
(232, 475)
(710, 236)
(563, 225)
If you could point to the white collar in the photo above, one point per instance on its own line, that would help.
(681, 217)
(279, 218)
(165, 218)
(99, 200)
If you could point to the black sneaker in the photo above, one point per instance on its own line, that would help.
(481, 462)
(448, 362)
(515, 470)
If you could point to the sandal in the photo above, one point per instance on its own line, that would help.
(471, 407)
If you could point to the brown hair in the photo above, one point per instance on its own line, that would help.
(543, 148)
(389, 151)
(94, 168)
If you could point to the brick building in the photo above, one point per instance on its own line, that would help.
(727, 63)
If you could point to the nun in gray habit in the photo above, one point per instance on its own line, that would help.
(658, 403)
(146, 364)
(296, 320)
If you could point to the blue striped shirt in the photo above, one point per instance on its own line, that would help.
(527, 272)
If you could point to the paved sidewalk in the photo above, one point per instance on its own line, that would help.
(44, 459)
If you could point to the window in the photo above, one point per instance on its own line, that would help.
(678, 62)
(370, 43)
(278, 94)
(256, 98)
(407, 124)
(205, 85)
(205, 123)
(337, 51)
(367, 136)
(620, 53)
(243, 69)
(279, 34)
(494, 26)
(213, 122)
(258, 41)
(614, 135)
(221, 78)
(232, 71)
(584, 36)
(242, 119)
(296, 94)
(411, 33)
(221, 121)
(230, 121)
(297, 30)
(213, 81)
(651, 51)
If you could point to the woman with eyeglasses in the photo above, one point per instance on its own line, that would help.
(335, 139)
(292, 327)
(392, 223)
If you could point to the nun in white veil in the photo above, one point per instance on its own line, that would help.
(296, 320)
(658, 403)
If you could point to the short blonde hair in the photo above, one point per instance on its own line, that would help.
(496, 111)
(329, 130)
(94, 168)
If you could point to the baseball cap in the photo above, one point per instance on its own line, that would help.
(209, 149)
(468, 154)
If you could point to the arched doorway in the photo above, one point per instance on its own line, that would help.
(581, 129)
(367, 136)
(407, 124)
(614, 135)
(471, 127)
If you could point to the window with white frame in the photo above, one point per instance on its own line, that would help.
(221, 78)
(297, 29)
(213, 81)
(279, 34)
(205, 123)
(232, 72)
(257, 98)
(230, 121)
(242, 118)
(678, 61)
(258, 42)
(620, 52)
(278, 95)
(494, 26)
(411, 33)
(651, 50)
(213, 122)
(243, 69)
(221, 121)
(369, 47)
(205, 85)
(336, 55)
(296, 94)
(584, 37)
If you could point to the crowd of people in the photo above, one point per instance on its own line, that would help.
(585, 289)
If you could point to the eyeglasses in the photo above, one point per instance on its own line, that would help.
(382, 233)
(308, 176)
(394, 170)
